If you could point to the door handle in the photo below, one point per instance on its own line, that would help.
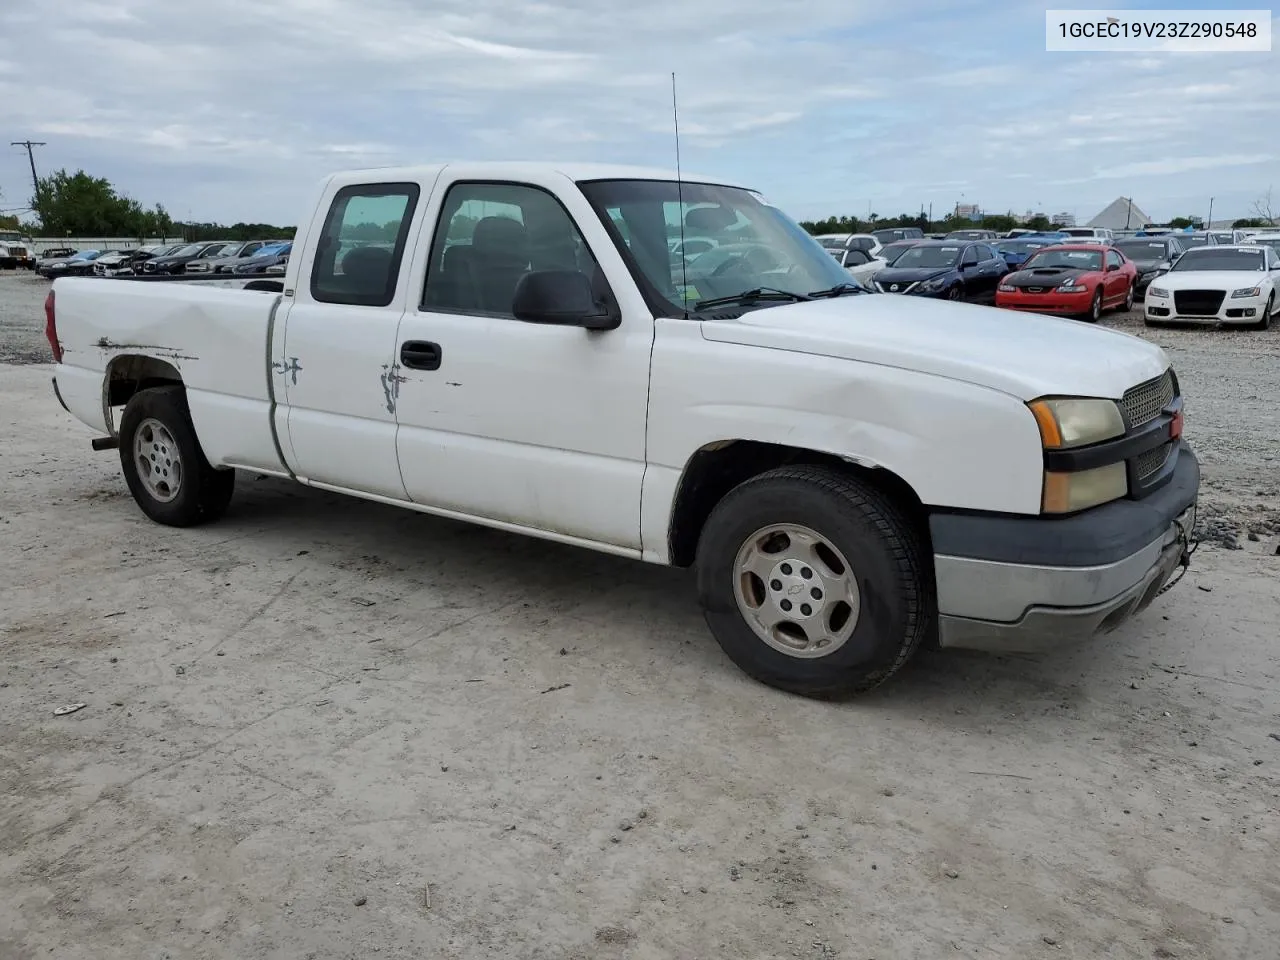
(420, 355)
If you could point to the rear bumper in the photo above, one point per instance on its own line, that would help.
(1027, 583)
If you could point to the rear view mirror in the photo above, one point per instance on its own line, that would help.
(562, 298)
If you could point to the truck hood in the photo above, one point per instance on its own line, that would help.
(1023, 354)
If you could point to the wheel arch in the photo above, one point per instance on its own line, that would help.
(716, 468)
(128, 373)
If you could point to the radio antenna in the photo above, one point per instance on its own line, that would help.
(684, 264)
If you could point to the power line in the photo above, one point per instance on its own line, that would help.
(35, 181)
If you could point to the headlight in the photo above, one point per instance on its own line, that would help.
(1072, 287)
(1006, 287)
(1069, 492)
(1158, 292)
(1246, 292)
(1076, 422)
(935, 284)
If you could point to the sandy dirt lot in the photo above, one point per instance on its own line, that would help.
(329, 729)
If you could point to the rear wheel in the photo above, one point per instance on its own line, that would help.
(814, 582)
(163, 464)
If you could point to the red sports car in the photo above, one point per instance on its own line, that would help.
(1077, 279)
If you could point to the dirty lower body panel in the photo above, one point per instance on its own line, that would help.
(1015, 583)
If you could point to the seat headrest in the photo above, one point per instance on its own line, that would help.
(368, 267)
(709, 219)
(499, 234)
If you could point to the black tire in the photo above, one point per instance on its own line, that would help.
(1095, 307)
(1265, 322)
(202, 493)
(954, 293)
(885, 555)
(1128, 301)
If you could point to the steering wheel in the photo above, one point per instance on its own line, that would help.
(739, 260)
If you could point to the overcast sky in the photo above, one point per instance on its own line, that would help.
(233, 110)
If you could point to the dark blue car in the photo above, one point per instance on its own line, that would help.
(946, 269)
(1015, 252)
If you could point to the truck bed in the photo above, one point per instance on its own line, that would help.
(214, 338)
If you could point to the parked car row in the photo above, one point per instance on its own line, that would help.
(1059, 273)
(211, 257)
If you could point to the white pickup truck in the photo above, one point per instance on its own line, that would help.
(850, 474)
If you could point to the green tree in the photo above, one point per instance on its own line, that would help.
(999, 222)
(1039, 222)
(1250, 222)
(78, 204)
(1179, 223)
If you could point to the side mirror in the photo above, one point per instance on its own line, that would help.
(562, 298)
(1111, 268)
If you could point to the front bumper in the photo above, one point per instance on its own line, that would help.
(1064, 303)
(1242, 310)
(1028, 583)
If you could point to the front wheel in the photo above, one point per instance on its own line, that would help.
(163, 464)
(1128, 300)
(954, 293)
(1265, 322)
(814, 582)
(1095, 307)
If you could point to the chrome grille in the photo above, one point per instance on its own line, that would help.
(1143, 403)
(1150, 462)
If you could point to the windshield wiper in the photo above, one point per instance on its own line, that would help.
(839, 290)
(748, 297)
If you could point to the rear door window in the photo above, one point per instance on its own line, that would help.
(360, 248)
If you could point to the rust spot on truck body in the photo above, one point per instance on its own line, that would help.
(171, 353)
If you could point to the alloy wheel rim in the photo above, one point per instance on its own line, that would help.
(796, 591)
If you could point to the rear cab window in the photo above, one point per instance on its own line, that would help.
(359, 252)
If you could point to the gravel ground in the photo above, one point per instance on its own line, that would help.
(22, 296)
(325, 728)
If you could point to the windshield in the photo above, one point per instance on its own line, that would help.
(1020, 246)
(832, 243)
(966, 235)
(757, 244)
(1142, 249)
(87, 255)
(1272, 242)
(931, 256)
(1222, 237)
(1211, 258)
(190, 250)
(1189, 240)
(1071, 259)
(893, 251)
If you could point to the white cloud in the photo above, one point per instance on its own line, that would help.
(236, 110)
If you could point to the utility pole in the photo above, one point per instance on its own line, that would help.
(28, 144)
(1209, 223)
(1129, 213)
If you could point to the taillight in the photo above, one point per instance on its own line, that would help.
(51, 329)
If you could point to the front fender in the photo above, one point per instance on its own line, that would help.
(956, 444)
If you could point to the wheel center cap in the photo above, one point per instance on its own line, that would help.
(796, 590)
